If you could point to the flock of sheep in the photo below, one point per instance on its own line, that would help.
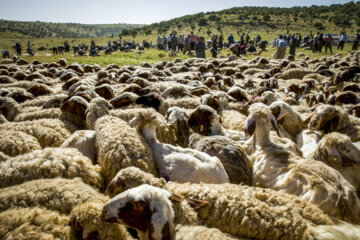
(195, 149)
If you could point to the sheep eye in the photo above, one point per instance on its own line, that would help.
(342, 147)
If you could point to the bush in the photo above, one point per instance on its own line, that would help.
(202, 22)
(267, 18)
(319, 26)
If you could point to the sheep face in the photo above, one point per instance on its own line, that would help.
(151, 100)
(325, 118)
(203, 119)
(75, 105)
(338, 151)
(145, 208)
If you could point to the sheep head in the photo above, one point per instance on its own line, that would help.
(202, 119)
(75, 105)
(146, 208)
(260, 116)
(176, 91)
(124, 100)
(178, 119)
(337, 150)
(210, 100)
(151, 100)
(9, 108)
(131, 177)
(326, 118)
(97, 108)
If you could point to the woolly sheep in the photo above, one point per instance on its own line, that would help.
(49, 132)
(164, 133)
(307, 141)
(297, 73)
(337, 151)
(241, 211)
(118, 145)
(14, 143)
(56, 194)
(177, 163)
(33, 223)
(275, 167)
(343, 230)
(84, 141)
(97, 108)
(49, 163)
(87, 223)
(333, 118)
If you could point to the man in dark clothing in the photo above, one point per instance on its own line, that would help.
(293, 43)
(356, 42)
(214, 42)
(230, 40)
(173, 42)
(18, 49)
(200, 48)
(221, 41)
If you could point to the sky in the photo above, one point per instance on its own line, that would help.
(128, 11)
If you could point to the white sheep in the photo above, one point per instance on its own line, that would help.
(49, 163)
(237, 210)
(177, 163)
(14, 143)
(118, 145)
(277, 168)
(343, 231)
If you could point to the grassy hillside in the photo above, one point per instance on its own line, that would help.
(269, 22)
(64, 30)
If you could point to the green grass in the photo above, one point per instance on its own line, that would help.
(119, 58)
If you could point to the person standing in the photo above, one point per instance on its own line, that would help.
(315, 43)
(200, 48)
(159, 42)
(214, 42)
(193, 40)
(247, 38)
(169, 41)
(181, 43)
(230, 40)
(165, 43)
(242, 39)
(356, 42)
(321, 42)
(187, 43)
(328, 42)
(342, 41)
(293, 43)
(18, 49)
(280, 48)
(221, 41)
(174, 42)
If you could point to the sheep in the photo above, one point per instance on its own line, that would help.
(337, 151)
(48, 132)
(56, 194)
(87, 223)
(9, 108)
(231, 154)
(164, 133)
(84, 141)
(49, 163)
(240, 211)
(307, 141)
(14, 143)
(97, 108)
(344, 231)
(118, 145)
(277, 168)
(288, 118)
(177, 163)
(34, 223)
(333, 118)
(295, 73)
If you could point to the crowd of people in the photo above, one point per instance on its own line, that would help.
(192, 43)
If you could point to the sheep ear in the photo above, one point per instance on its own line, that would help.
(133, 122)
(275, 126)
(171, 118)
(196, 204)
(250, 126)
(176, 197)
(307, 120)
(334, 124)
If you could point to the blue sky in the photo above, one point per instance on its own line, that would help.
(128, 11)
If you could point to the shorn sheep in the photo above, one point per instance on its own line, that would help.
(84, 141)
(177, 163)
(231, 153)
(118, 146)
(279, 169)
(49, 163)
(56, 194)
(240, 211)
(337, 151)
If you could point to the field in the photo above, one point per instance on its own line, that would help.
(8, 39)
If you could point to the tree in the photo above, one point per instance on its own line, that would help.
(267, 18)
(202, 22)
(319, 26)
(208, 32)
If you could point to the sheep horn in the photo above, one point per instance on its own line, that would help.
(176, 197)
(275, 126)
(133, 122)
(196, 204)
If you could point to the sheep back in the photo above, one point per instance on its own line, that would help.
(14, 143)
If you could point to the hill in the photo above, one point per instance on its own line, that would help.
(64, 30)
(264, 20)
